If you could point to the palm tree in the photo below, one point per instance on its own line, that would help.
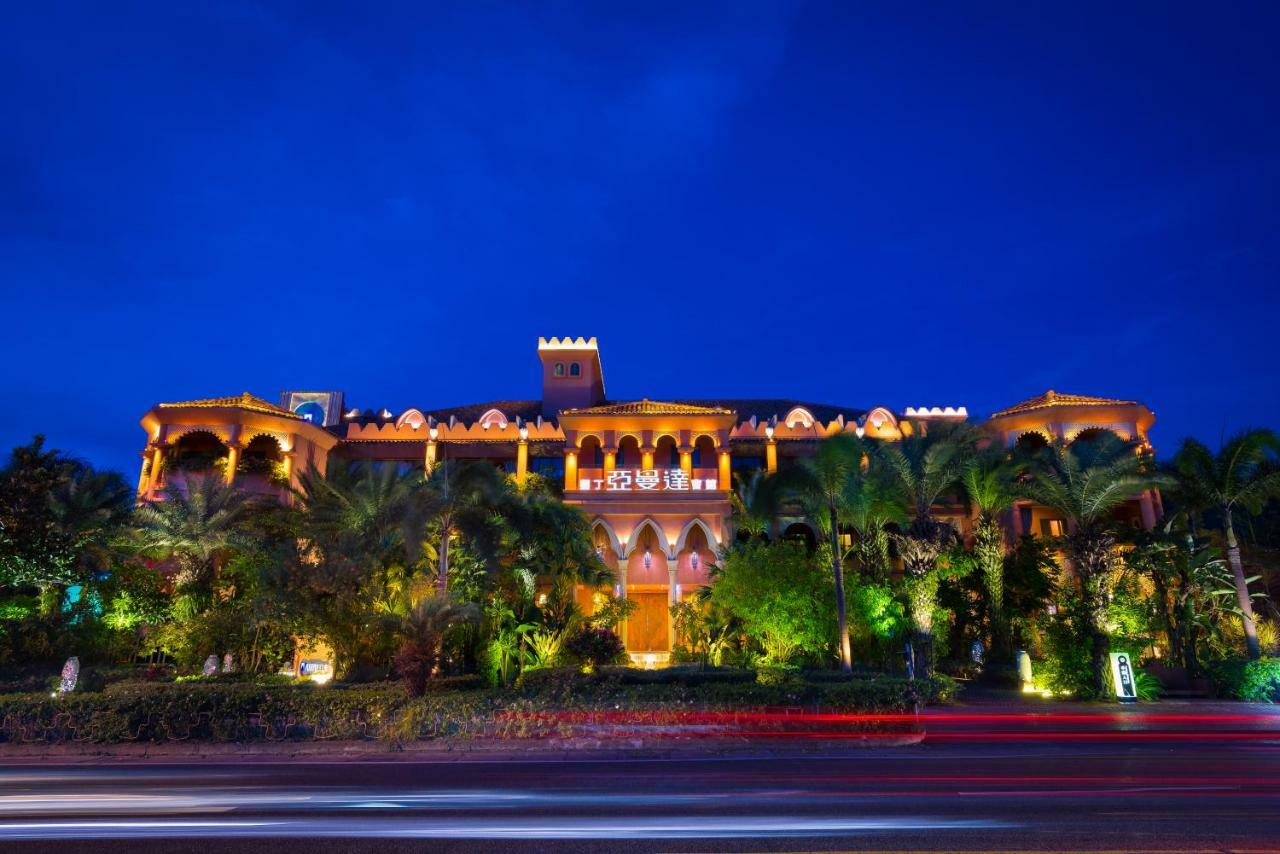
(456, 497)
(1085, 482)
(869, 510)
(924, 466)
(371, 506)
(196, 523)
(424, 631)
(826, 481)
(1240, 477)
(989, 481)
(754, 502)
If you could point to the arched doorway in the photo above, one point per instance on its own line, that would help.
(197, 452)
(648, 585)
(1032, 442)
(800, 532)
(263, 460)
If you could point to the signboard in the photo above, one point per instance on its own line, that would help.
(650, 480)
(1122, 676)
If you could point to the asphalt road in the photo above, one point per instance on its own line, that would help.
(980, 783)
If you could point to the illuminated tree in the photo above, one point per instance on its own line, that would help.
(1085, 482)
(924, 466)
(989, 481)
(1241, 477)
(782, 595)
(832, 480)
(58, 520)
(196, 524)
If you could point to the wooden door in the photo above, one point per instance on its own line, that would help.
(647, 628)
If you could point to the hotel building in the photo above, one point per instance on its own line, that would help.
(653, 476)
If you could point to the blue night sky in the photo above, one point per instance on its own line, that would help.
(836, 202)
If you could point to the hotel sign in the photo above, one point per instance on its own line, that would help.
(648, 480)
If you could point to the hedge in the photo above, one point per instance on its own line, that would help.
(552, 703)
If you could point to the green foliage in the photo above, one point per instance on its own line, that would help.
(1148, 687)
(423, 632)
(1256, 681)
(542, 649)
(592, 647)
(783, 596)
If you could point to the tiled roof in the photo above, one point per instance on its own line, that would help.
(649, 407)
(1053, 398)
(244, 401)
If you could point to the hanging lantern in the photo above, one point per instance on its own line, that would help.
(648, 559)
(694, 560)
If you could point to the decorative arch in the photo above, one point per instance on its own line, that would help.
(411, 418)
(799, 415)
(280, 441)
(1034, 431)
(599, 522)
(219, 433)
(582, 437)
(715, 439)
(633, 542)
(493, 418)
(880, 415)
(688, 529)
(1090, 431)
(803, 531)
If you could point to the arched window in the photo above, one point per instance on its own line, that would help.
(575, 370)
(704, 452)
(628, 452)
(666, 453)
(559, 369)
(592, 454)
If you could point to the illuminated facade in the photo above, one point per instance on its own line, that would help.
(652, 476)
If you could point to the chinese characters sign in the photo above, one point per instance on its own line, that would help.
(647, 480)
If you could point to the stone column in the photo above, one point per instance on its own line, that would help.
(1148, 509)
(429, 460)
(233, 460)
(771, 455)
(622, 594)
(726, 472)
(142, 474)
(570, 470)
(672, 568)
(646, 458)
(157, 468)
(522, 460)
(686, 461)
(610, 461)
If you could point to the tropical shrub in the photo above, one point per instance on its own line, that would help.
(784, 597)
(1253, 681)
(594, 647)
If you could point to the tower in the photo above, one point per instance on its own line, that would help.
(571, 374)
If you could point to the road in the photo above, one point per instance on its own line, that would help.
(980, 782)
